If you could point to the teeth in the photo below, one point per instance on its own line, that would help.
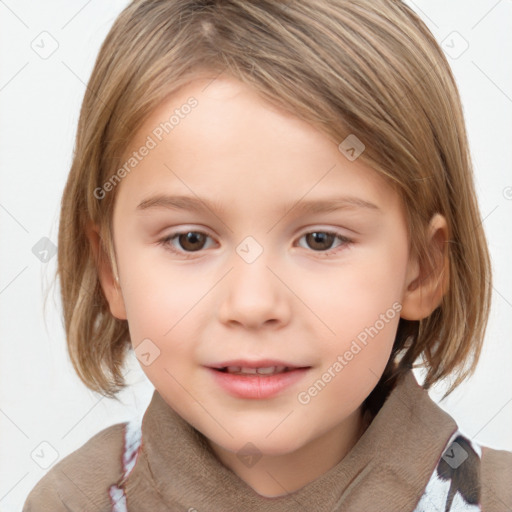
(269, 370)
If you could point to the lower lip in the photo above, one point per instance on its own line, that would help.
(257, 386)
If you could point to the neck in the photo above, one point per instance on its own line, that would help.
(276, 475)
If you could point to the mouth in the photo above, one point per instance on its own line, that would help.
(262, 370)
(261, 367)
(257, 379)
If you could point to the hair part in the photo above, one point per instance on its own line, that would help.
(368, 68)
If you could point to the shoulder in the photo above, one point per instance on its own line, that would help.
(81, 480)
(496, 478)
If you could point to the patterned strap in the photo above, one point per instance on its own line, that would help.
(455, 483)
(132, 440)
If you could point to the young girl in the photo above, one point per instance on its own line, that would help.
(315, 153)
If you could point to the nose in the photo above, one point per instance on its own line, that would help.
(254, 295)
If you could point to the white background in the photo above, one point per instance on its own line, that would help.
(41, 398)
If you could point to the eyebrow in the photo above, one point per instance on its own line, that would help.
(204, 205)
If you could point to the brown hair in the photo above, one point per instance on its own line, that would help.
(365, 67)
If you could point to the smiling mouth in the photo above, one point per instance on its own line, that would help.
(256, 380)
(268, 370)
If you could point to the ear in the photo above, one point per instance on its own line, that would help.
(425, 287)
(108, 280)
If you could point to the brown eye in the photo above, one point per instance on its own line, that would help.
(320, 240)
(185, 243)
(192, 240)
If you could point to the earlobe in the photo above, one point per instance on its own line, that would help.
(108, 279)
(425, 287)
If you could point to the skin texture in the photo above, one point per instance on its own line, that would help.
(301, 300)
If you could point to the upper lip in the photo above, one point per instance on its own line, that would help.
(261, 363)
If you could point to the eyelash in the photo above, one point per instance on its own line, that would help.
(165, 242)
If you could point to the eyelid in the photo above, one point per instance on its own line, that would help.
(345, 240)
(166, 241)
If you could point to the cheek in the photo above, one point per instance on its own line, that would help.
(359, 302)
(353, 362)
(355, 294)
(159, 306)
(159, 297)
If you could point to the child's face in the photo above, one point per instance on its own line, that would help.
(253, 284)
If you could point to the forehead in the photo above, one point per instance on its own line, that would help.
(218, 137)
